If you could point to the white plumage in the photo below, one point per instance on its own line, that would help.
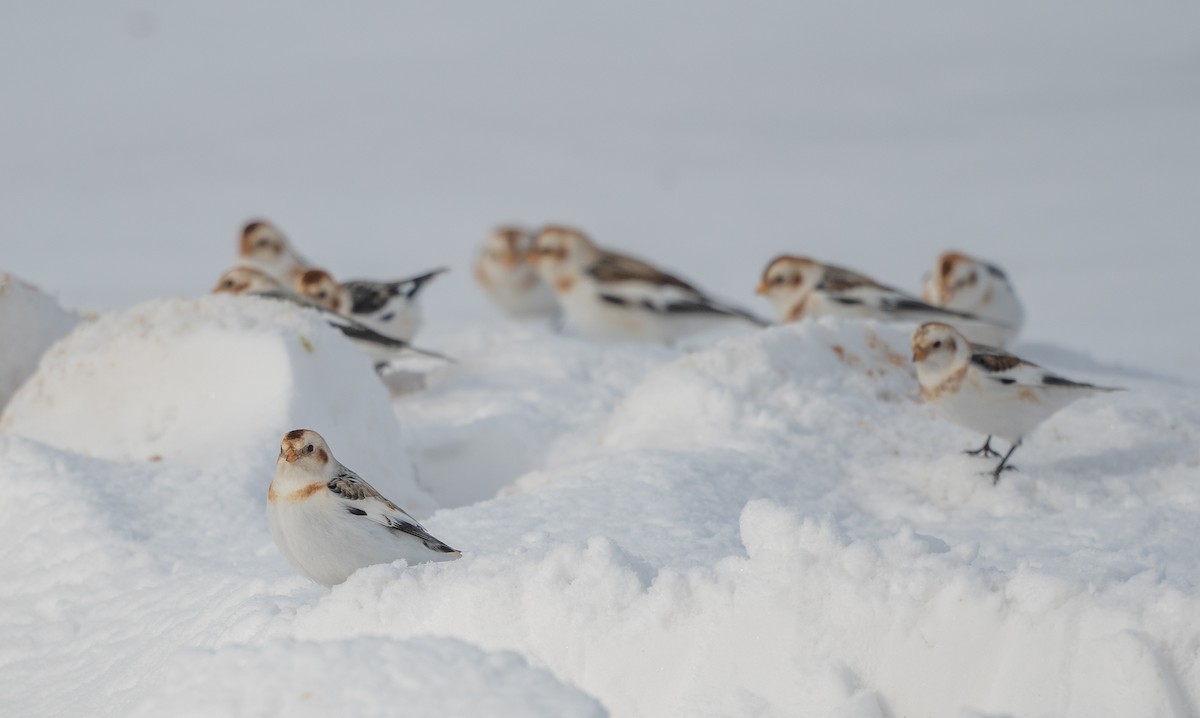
(381, 349)
(966, 284)
(511, 283)
(988, 390)
(390, 308)
(799, 287)
(605, 295)
(328, 522)
(264, 248)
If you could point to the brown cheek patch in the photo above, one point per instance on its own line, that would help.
(322, 456)
(797, 311)
(987, 296)
(312, 276)
(1027, 394)
(564, 285)
(947, 266)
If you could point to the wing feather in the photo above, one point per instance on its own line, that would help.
(361, 499)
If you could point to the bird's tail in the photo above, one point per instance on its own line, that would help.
(412, 285)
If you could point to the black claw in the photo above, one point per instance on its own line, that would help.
(986, 450)
(1003, 465)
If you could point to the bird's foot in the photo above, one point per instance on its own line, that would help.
(999, 470)
(986, 450)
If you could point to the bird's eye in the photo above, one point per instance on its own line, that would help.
(937, 344)
(321, 294)
(777, 280)
(264, 242)
(227, 283)
(308, 449)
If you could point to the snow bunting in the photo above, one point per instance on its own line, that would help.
(328, 522)
(964, 284)
(247, 280)
(799, 287)
(512, 284)
(988, 390)
(382, 349)
(389, 308)
(264, 248)
(605, 295)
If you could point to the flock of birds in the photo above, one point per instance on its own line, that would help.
(328, 521)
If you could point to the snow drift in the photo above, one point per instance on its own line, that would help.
(769, 525)
(425, 677)
(212, 381)
(30, 322)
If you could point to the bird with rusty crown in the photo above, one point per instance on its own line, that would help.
(989, 390)
(328, 522)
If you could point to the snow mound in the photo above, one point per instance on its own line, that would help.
(216, 380)
(770, 525)
(30, 322)
(364, 677)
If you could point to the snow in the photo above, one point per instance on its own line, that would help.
(210, 381)
(30, 321)
(761, 524)
(429, 676)
(767, 523)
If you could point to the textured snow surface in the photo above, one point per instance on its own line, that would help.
(366, 677)
(30, 322)
(764, 524)
(210, 381)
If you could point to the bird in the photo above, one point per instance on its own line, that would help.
(508, 280)
(265, 248)
(605, 295)
(382, 349)
(328, 522)
(987, 389)
(800, 287)
(247, 280)
(390, 308)
(966, 284)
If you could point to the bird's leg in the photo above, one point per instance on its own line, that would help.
(985, 450)
(1003, 465)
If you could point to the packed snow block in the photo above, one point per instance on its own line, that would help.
(363, 677)
(30, 321)
(214, 381)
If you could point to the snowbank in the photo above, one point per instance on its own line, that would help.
(30, 322)
(424, 677)
(769, 526)
(216, 380)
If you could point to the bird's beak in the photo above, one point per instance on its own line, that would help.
(512, 259)
(919, 353)
(290, 455)
(762, 287)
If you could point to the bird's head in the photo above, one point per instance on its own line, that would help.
(245, 280)
(319, 286)
(561, 251)
(507, 246)
(939, 348)
(953, 275)
(787, 280)
(306, 450)
(261, 241)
